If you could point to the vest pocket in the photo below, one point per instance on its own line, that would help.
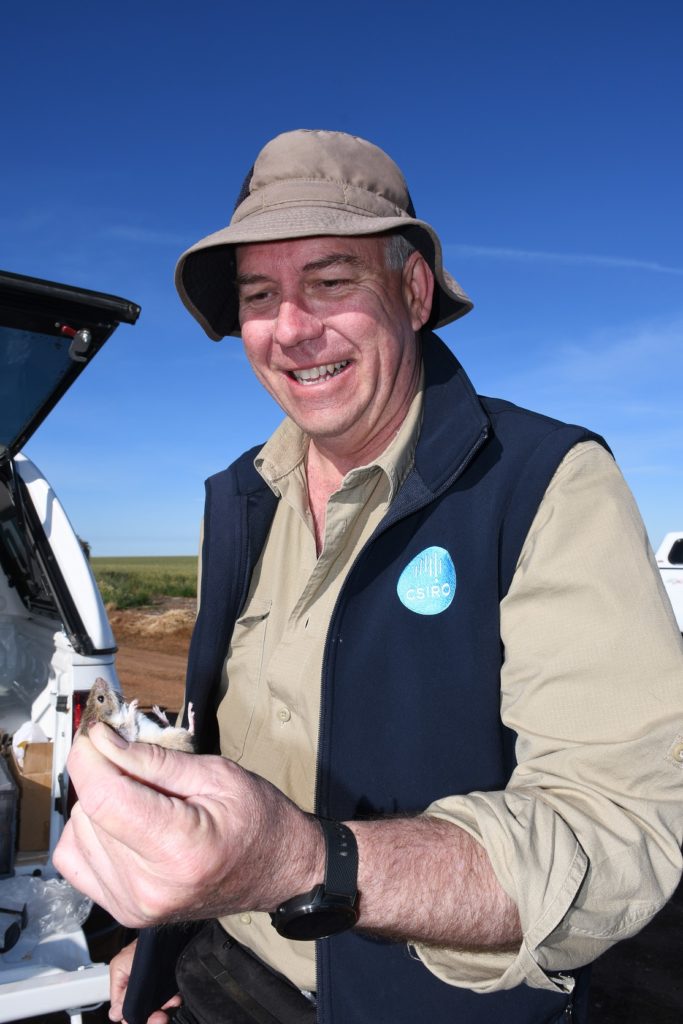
(242, 678)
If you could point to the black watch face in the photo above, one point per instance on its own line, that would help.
(319, 923)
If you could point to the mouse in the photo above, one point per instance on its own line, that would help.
(105, 704)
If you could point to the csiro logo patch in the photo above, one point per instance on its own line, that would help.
(427, 584)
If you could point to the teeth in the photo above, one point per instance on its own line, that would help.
(323, 372)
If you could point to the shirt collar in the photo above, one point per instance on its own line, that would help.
(282, 458)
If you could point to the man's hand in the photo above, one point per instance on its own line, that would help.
(160, 836)
(119, 976)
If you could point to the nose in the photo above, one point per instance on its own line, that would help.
(295, 324)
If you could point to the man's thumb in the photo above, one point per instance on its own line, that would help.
(170, 771)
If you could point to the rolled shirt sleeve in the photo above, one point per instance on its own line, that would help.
(586, 837)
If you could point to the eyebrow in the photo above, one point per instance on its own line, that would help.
(331, 260)
(243, 280)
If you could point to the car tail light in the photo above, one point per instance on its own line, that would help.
(79, 699)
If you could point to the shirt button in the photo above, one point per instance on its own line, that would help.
(284, 714)
(245, 918)
(677, 753)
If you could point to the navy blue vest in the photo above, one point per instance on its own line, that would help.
(410, 702)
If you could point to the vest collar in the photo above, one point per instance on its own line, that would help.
(454, 421)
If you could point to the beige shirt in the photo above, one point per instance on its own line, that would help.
(585, 838)
(268, 718)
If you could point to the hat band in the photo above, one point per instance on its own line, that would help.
(316, 192)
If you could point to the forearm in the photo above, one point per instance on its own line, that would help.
(227, 841)
(426, 880)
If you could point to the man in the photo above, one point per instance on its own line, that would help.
(431, 648)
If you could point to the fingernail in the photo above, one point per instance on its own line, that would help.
(117, 740)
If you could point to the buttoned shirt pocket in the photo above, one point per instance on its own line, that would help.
(242, 678)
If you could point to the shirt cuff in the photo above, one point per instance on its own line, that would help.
(540, 911)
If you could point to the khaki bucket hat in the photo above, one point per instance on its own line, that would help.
(306, 183)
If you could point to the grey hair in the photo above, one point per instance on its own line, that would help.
(397, 251)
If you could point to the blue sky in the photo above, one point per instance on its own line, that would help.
(541, 139)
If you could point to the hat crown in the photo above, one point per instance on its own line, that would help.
(309, 157)
(310, 183)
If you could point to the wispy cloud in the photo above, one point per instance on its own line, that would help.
(145, 236)
(645, 352)
(573, 259)
(624, 384)
(28, 221)
(617, 379)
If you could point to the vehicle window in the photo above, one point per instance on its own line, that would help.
(32, 365)
(676, 553)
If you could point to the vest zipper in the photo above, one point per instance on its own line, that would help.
(388, 521)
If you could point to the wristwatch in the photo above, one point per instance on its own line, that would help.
(331, 907)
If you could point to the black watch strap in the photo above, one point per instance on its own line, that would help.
(341, 868)
(331, 907)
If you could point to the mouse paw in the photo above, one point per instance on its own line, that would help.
(161, 715)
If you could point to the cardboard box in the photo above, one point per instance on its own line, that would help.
(34, 778)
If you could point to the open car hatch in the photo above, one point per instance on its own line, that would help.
(55, 640)
(48, 334)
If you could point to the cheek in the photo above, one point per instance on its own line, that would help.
(361, 329)
(256, 347)
(372, 320)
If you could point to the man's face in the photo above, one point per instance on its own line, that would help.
(331, 333)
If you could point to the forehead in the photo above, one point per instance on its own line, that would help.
(302, 254)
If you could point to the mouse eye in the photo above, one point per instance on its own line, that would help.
(100, 697)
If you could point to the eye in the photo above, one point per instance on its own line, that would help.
(100, 698)
(334, 282)
(253, 297)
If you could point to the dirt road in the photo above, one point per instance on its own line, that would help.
(152, 656)
(154, 677)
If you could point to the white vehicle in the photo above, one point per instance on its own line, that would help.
(55, 638)
(670, 561)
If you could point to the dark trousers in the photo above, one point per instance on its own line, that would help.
(222, 983)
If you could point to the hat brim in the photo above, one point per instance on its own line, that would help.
(205, 273)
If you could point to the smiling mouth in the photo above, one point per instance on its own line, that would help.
(319, 374)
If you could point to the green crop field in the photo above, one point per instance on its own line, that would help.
(131, 582)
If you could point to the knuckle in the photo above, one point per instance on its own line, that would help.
(151, 906)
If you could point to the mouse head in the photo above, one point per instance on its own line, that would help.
(102, 700)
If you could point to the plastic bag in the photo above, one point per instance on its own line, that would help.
(52, 905)
(27, 733)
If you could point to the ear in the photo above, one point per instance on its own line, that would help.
(418, 289)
